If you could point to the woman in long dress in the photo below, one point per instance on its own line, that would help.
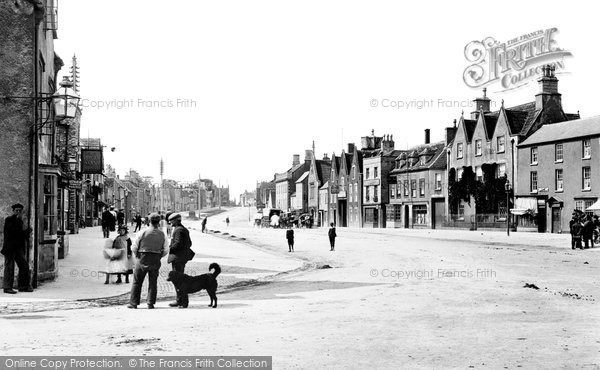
(117, 253)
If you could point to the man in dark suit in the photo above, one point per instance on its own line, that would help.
(14, 250)
(331, 233)
(180, 251)
(108, 222)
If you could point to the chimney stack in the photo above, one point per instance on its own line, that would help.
(482, 103)
(308, 155)
(296, 159)
(427, 136)
(325, 157)
(350, 148)
(548, 89)
(387, 144)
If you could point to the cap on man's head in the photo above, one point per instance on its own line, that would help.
(17, 206)
(112, 207)
(175, 216)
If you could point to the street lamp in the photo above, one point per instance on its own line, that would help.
(508, 188)
(65, 100)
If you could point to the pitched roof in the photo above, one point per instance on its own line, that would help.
(565, 130)
(304, 176)
(323, 168)
(490, 121)
(435, 158)
(470, 125)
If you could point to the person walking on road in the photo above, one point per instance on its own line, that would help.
(227, 221)
(289, 235)
(108, 222)
(180, 252)
(575, 228)
(204, 224)
(14, 250)
(332, 236)
(138, 223)
(149, 247)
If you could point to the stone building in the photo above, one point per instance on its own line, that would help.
(485, 147)
(285, 182)
(28, 78)
(379, 158)
(418, 187)
(560, 170)
(319, 172)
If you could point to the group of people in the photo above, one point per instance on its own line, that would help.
(166, 235)
(110, 219)
(331, 234)
(583, 227)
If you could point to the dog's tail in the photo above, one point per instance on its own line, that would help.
(215, 266)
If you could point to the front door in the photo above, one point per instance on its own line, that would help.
(556, 213)
(406, 223)
(438, 213)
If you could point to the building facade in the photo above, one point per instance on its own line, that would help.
(560, 168)
(484, 152)
(418, 187)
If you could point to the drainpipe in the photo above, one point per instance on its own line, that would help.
(512, 174)
(33, 181)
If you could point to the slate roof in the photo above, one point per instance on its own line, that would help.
(435, 152)
(470, 125)
(304, 176)
(566, 130)
(490, 121)
(323, 168)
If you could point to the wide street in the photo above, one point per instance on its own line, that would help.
(384, 299)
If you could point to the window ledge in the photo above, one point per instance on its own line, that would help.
(533, 164)
(559, 161)
(586, 189)
(559, 190)
(586, 158)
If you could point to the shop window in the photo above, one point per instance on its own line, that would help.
(419, 214)
(50, 195)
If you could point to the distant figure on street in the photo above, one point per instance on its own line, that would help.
(575, 228)
(108, 222)
(149, 247)
(227, 221)
(14, 250)
(289, 235)
(588, 232)
(332, 236)
(138, 223)
(204, 224)
(120, 217)
(169, 227)
(180, 252)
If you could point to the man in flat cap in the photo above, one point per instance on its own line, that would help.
(14, 250)
(180, 251)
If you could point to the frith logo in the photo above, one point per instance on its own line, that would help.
(512, 63)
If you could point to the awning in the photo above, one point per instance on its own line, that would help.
(594, 207)
(524, 205)
(553, 200)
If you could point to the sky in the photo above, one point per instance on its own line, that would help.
(231, 90)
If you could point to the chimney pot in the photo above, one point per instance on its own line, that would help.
(427, 136)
